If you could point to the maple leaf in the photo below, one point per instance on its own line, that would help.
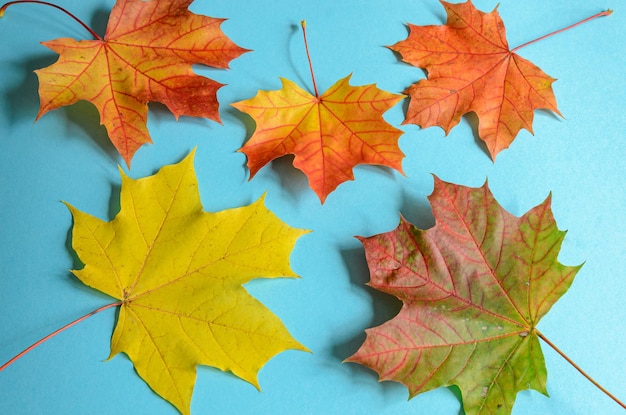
(145, 56)
(473, 289)
(178, 273)
(471, 69)
(328, 134)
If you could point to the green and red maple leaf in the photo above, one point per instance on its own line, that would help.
(473, 288)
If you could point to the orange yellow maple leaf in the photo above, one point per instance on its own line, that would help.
(471, 69)
(145, 56)
(328, 135)
(178, 273)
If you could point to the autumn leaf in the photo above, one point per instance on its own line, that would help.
(177, 272)
(473, 289)
(328, 134)
(471, 69)
(145, 56)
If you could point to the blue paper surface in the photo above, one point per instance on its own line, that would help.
(66, 156)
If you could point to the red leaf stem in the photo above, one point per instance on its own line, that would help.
(579, 369)
(54, 333)
(45, 3)
(595, 16)
(306, 46)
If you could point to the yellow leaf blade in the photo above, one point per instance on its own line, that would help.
(179, 272)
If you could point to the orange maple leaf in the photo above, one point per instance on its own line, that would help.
(328, 134)
(470, 68)
(145, 56)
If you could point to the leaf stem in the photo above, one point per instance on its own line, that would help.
(89, 29)
(306, 46)
(595, 16)
(597, 385)
(54, 333)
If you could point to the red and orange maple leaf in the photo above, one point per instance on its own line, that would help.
(471, 69)
(473, 289)
(328, 135)
(145, 56)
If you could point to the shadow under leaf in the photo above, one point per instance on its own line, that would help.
(291, 180)
(23, 99)
(385, 306)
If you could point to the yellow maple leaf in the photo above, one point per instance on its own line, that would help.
(178, 273)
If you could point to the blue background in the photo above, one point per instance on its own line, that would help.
(66, 156)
